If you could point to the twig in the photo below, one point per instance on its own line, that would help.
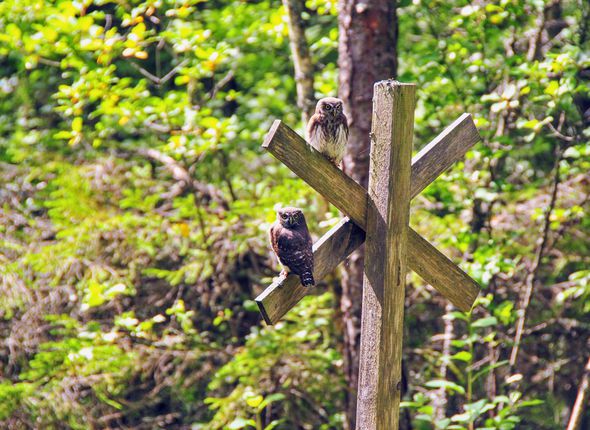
(205, 191)
(145, 73)
(533, 273)
(172, 72)
(575, 421)
(535, 40)
(301, 58)
(221, 83)
(440, 399)
(559, 135)
(156, 80)
(48, 62)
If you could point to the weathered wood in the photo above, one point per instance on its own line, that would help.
(307, 163)
(385, 257)
(333, 247)
(443, 151)
(315, 169)
(441, 273)
(348, 196)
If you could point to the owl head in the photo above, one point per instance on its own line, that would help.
(329, 106)
(290, 217)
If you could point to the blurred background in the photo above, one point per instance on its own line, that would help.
(135, 200)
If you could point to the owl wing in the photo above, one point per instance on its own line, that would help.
(272, 236)
(294, 249)
(345, 125)
(312, 130)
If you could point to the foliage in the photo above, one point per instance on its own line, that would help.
(135, 203)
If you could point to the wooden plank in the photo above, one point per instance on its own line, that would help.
(384, 280)
(440, 272)
(315, 169)
(442, 152)
(333, 247)
(342, 191)
(348, 196)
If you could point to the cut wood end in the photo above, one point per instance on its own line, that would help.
(262, 310)
(468, 306)
(393, 82)
(467, 294)
(479, 139)
(271, 133)
(467, 118)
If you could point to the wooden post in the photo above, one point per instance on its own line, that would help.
(351, 198)
(385, 256)
(379, 216)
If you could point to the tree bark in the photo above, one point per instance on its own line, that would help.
(367, 53)
(301, 59)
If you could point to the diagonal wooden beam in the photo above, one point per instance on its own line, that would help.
(442, 152)
(333, 247)
(351, 198)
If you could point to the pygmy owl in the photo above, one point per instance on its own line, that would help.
(327, 129)
(291, 242)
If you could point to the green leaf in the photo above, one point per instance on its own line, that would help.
(462, 356)
(254, 401)
(77, 124)
(447, 385)
(485, 322)
(527, 403)
(241, 423)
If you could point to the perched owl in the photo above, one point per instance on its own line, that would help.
(291, 242)
(327, 129)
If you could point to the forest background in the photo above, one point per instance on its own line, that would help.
(135, 200)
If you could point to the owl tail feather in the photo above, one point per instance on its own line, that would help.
(307, 279)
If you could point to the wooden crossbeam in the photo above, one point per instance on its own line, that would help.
(351, 198)
(333, 247)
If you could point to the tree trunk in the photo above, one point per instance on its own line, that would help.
(301, 59)
(367, 54)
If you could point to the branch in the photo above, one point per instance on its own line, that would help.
(440, 396)
(156, 80)
(221, 83)
(534, 51)
(301, 58)
(581, 399)
(540, 252)
(205, 192)
(559, 135)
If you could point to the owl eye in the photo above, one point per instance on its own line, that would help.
(328, 107)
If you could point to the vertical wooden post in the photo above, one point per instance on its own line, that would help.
(385, 258)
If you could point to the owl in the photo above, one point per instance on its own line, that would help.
(327, 129)
(291, 242)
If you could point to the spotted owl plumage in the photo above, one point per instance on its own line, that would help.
(327, 129)
(291, 242)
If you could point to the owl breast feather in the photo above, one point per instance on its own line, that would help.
(330, 141)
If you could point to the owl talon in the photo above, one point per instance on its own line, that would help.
(284, 273)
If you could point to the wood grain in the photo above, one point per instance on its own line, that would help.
(384, 282)
(315, 169)
(441, 273)
(333, 247)
(443, 151)
(348, 196)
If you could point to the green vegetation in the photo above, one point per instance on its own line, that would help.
(134, 204)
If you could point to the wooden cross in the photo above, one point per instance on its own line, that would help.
(379, 217)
